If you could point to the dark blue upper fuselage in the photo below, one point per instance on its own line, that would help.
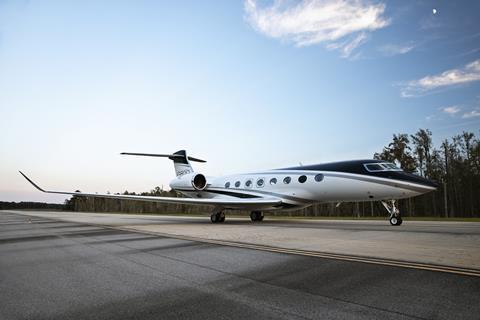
(357, 167)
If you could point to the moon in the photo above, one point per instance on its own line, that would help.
(434, 11)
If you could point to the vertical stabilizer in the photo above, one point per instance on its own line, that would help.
(181, 163)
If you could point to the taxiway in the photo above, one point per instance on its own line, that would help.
(56, 267)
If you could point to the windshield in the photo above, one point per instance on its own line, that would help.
(384, 166)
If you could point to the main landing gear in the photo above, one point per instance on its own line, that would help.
(218, 216)
(395, 217)
(256, 216)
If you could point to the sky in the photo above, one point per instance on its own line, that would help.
(247, 85)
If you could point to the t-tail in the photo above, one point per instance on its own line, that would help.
(180, 160)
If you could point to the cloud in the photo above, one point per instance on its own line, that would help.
(451, 110)
(472, 114)
(340, 25)
(396, 49)
(468, 73)
(346, 48)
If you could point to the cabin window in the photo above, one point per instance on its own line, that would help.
(237, 184)
(319, 177)
(248, 184)
(260, 182)
(273, 181)
(302, 178)
(287, 180)
(227, 185)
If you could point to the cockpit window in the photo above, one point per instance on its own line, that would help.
(390, 166)
(374, 167)
(385, 166)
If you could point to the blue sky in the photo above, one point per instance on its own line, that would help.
(246, 85)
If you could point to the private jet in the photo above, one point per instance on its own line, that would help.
(284, 189)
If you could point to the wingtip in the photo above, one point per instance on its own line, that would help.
(33, 183)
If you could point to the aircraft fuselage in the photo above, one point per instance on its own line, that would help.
(305, 185)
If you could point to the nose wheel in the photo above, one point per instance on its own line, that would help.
(395, 217)
(217, 217)
(256, 216)
(395, 221)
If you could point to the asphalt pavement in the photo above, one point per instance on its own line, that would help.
(51, 269)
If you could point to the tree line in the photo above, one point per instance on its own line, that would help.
(454, 164)
(5, 205)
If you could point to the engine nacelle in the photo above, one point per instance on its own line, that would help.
(199, 181)
(191, 181)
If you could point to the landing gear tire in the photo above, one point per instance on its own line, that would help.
(256, 216)
(213, 218)
(217, 217)
(395, 221)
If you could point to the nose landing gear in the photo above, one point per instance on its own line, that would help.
(256, 216)
(395, 216)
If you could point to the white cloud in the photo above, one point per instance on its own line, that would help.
(452, 77)
(346, 48)
(340, 25)
(472, 114)
(396, 49)
(451, 110)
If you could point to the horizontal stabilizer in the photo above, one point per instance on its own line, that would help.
(170, 156)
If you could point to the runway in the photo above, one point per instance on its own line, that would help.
(58, 269)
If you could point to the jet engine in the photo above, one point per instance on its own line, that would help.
(192, 181)
(199, 181)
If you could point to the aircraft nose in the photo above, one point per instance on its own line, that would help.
(428, 182)
(420, 180)
(431, 183)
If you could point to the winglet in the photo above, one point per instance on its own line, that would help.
(33, 183)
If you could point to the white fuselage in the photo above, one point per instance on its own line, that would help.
(301, 188)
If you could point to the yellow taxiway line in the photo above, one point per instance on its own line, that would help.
(317, 254)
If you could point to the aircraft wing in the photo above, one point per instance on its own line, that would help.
(223, 202)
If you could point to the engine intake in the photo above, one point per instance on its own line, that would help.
(199, 181)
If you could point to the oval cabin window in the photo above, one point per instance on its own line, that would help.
(302, 179)
(260, 182)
